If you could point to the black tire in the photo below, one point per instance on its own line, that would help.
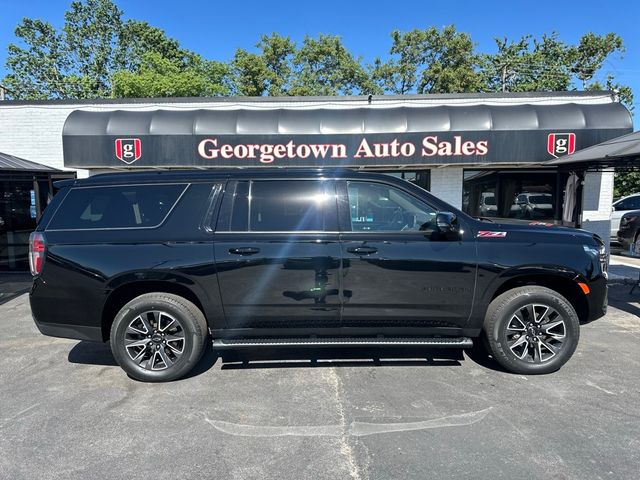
(185, 332)
(552, 345)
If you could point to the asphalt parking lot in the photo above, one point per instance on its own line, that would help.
(68, 412)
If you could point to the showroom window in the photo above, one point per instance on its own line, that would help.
(421, 178)
(521, 195)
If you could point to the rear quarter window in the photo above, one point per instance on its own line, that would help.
(123, 206)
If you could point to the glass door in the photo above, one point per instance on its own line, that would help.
(18, 214)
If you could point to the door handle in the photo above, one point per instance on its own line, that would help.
(243, 250)
(362, 250)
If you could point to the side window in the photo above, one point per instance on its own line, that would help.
(378, 207)
(623, 205)
(288, 206)
(634, 203)
(135, 206)
(278, 206)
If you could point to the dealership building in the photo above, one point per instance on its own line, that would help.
(490, 155)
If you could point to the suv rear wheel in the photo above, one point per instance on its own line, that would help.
(531, 330)
(158, 337)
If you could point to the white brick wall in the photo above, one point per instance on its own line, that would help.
(597, 197)
(33, 133)
(446, 184)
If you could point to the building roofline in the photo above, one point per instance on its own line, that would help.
(524, 96)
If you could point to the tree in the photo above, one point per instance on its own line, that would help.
(268, 72)
(324, 66)
(137, 38)
(91, 32)
(158, 76)
(591, 52)
(277, 55)
(250, 74)
(37, 70)
(529, 65)
(430, 61)
(626, 183)
(80, 60)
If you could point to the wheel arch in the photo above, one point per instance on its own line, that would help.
(126, 292)
(565, 285)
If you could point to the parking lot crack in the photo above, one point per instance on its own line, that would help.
(346, 449)
(17, 416)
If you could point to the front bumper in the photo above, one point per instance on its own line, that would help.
(597, 298)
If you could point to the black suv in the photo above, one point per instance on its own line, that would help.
(156, 263)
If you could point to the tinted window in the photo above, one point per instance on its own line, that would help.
(286, 206)
(379, 207)
(234, 209)
(632, 203)
(116, 207)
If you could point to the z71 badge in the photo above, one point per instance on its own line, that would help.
(491, 234)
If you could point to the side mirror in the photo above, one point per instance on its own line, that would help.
(447, 222)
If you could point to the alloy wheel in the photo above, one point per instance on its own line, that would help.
(536, 333)
(155, 340)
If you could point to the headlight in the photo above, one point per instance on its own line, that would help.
(599, 253)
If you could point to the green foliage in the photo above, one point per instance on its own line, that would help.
(96, 54)
(158, 76)
(626, 183)
(429, 61)
(268, 72)
(37, 70)
(529, 65)
(324, 66)
(591, 52)
(137, 38)
(90, 36)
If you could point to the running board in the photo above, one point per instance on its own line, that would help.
(433, 342)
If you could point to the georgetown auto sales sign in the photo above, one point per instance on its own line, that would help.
(329, 138)
(340, 150)
(366, 150)
(317, 150)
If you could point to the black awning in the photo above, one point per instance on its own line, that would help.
(374, 136)
(622, 152)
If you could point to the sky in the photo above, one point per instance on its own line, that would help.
(215, 29)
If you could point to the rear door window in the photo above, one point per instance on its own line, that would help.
(123, 206)
(279, 206)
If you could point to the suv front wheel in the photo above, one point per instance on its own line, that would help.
(158, 337)
(531, 330)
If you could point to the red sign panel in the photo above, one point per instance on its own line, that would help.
(128, 149)
(559, 144)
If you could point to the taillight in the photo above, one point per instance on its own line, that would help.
(36, 252)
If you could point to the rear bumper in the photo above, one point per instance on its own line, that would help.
(49, 309)
(75, 332)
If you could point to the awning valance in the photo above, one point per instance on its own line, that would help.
(339, 137)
